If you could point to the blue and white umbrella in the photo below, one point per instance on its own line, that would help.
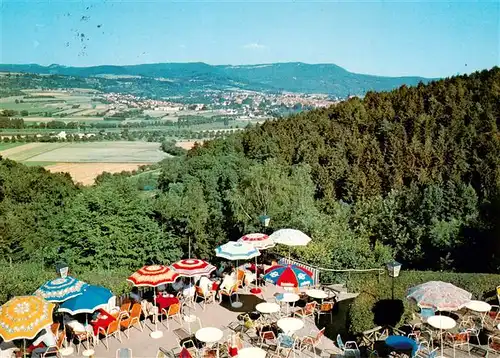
(237, 251)
(93, 298)
(61, 289)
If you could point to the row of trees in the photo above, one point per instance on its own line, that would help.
(411, 174)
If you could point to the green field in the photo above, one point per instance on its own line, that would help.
(5, 146)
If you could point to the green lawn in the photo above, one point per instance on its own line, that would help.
(5, 146)
(38, 164)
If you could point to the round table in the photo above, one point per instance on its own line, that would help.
(319, 294)
(66, 351)
(267, 307)
(252, 352)
(402, 344)
(441, 322)
(478, 306)
(290, 325)
(209, 335)
(288, 297)
(88, 353)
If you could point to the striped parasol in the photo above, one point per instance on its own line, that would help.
(61, 289)
(236, 251)
(193, 267)
(289, 276)
(153, 276)
(441, 296)
(258, 240)
(23, 317)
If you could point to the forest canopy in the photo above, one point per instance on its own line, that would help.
(412, 174)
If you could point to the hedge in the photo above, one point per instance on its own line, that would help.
(24, 278)
(374, 305)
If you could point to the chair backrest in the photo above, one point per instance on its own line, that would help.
(340, 343)
(113, 326)
(136, 310)
(498, 294)
(240, 275)
(54, 327)
(427, 312)
(174, 309)
(124, 353)
(326, 306)
(125, 307)
(309, 308)
(199, 291)
(320, 334)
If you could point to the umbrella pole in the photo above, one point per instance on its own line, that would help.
(156, 334)
(256, 276)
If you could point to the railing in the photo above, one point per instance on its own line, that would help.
(318, 270)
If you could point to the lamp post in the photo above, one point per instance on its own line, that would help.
(62, 269)
(265, 220)
(393, 268)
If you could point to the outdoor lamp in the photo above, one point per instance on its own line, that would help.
(62, 269)
(393, 268)
(264, 220)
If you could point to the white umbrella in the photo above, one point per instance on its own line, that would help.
(290, 237)
(237, 251)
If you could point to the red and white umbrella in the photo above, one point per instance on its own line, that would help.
(193, 267)
(258, 240)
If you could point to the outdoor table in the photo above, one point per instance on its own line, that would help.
(66, 351)
(478, 306)
(251, 352)
(441, 322)
(88, 353)
(319, 294)
(290, 325)
(102, 322)
(165, 302)
(402, 344)
(267, 307)
(288, 297)
(209, 335)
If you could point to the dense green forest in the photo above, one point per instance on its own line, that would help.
(412, 174)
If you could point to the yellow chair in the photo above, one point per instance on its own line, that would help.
(172, 312)
(133, 319)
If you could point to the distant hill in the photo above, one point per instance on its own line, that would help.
(293, 77)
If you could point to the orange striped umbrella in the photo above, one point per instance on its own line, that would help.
(23, 317)
(153, 276)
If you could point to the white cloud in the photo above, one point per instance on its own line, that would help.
(254, 46)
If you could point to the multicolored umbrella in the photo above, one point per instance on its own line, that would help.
(290, 237)
(237, 251)
(153, 276)
(258, 240)
(23, 317)
(193, 267)
(92, 298)
(61, 289)
(289, 276)
(441, 296)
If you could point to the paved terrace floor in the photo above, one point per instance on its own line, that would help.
(214, 315)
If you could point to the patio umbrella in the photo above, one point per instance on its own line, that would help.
(236, 251)
(92, 298)
(23, 317)
(260, 242)
(193, 267)
(153, 276)
(290, 237)
(61, 289)
(289, 276)
(441, 296)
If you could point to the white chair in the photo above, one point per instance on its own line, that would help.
(124, 353)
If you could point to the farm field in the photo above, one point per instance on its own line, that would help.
(5, 146)
(85, 173)
(84, 161)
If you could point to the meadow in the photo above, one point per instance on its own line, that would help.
(84, 161)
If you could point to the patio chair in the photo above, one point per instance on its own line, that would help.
(498, 294)
(193, 327)
(308, 311)
(54, 327)
(312, 341)
(55, 350)
(133, 319)
(425, 313)
(229, 293)
(123, 353)
(173, 311)
(458, 340)
(326, 308)
(494, 344)
(112, 330)
(206, 298)
(240, 276)
(349, 348)
(186, 346)
(428, 353)
(125, 309)
(493, 316)
(268, 338)
(287, 344)
(80, 337)
(163, 353)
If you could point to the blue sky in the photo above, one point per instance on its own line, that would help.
(432, 39)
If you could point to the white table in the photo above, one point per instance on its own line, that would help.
(319, 294)
(267, 307)
(66, 351)
(478, 306)
(441, 322)
(288, 297)
(209, 335)
(290, 325)
(251, 352)
(88, 353)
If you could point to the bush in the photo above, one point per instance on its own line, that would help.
(375, 293)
